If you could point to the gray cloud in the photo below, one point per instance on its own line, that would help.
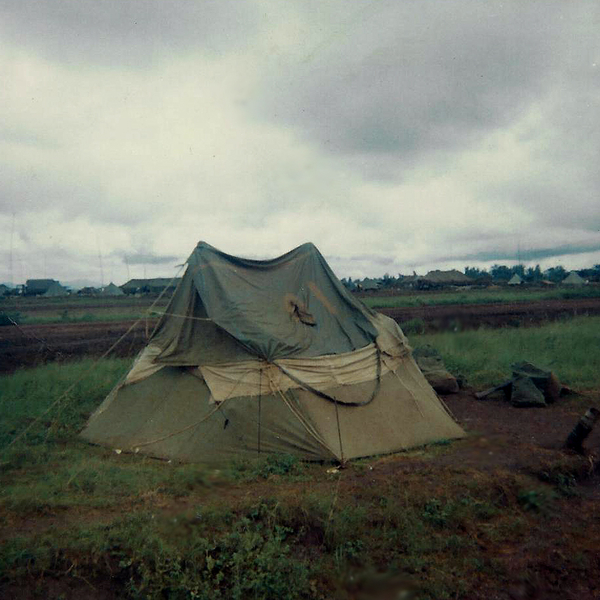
(408, 81)
(141, 258)
(532, 254)
(394, 135)
(136, 34)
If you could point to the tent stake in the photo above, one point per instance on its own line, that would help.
(582, 430)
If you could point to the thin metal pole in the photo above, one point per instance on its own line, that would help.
(259, 406)
(337, 417)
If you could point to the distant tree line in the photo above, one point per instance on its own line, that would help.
(496, 274)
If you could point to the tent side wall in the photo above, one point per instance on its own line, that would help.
(172, 410)
(405, 413)
(189, 427)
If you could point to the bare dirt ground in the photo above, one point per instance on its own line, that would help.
(467, 316)
(32, 345)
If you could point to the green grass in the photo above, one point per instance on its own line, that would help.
(569, 348)
(416, 535)
(74, 309)
(26, 394)
(275, 527)
(478, 296)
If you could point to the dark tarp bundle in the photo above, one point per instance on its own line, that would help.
(270, 356)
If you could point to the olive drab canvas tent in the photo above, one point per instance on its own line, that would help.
(112, 290)
(273, 356)
(56, 289)
(573, 278)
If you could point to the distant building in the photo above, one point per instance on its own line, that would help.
(573, 278)
(37, 287)
(56, 290)
(515, 280)
(88, 291)
(112, 290)
(437, 279)
(369, 285)
(149, 286)
(4, 289)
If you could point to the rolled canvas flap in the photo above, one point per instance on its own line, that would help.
(254, 378)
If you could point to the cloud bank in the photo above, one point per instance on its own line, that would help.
(395, 136)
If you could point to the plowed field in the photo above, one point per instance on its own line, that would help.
(31, 345)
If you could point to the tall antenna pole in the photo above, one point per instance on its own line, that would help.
(100, 261)
(12, 234)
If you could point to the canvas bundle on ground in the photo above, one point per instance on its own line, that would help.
(272, 356)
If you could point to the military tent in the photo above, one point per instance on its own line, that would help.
(573, 278)
(36, 287)
(272, 356)
(452, 277)
(112, 290)
(369, 285)
(515, 280)
(56, 289)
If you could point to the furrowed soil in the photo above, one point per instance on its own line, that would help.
(31, 345)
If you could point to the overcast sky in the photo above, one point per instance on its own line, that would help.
(394, 135)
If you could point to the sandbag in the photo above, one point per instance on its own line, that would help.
(545, 381)
(525, 393)
(432, 366)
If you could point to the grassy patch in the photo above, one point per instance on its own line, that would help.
(306, 545)
(478, 296)
(569, 348)
(276, 527)
(26, 395)
(282, 465)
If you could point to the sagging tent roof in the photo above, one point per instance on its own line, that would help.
(270, 356)
(269, 308)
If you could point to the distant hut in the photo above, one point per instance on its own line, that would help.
(112, 290)
(56, 290)
(573, 278)
(438, 279)
(149, 286)
(4, 289)
(37, 287)
(369, 285)
(88, 291)
(515, 280)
